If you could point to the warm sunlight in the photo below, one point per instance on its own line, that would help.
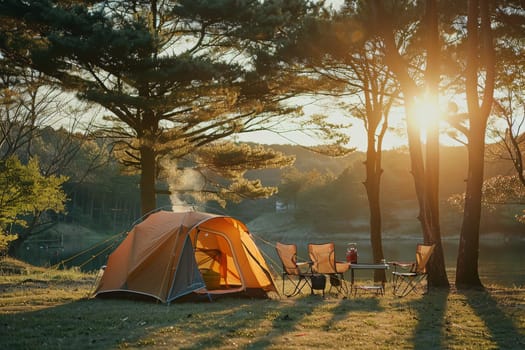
(427, 113)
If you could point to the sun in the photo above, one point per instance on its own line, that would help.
(427, 113)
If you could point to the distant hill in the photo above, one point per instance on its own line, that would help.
(398, 195)
(396, 166)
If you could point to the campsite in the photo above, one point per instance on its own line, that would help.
(262, 174)
(134, 304)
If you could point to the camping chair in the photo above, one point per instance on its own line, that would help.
(292, 270)
(323, 262)
(407, 276)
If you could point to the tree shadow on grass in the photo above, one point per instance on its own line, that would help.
(430, 311)
(117, 323)
(111, 323)
(286, 319)
(502, 328)
(287, 322)
(346, 307)
(80, 325)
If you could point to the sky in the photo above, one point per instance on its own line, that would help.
(394, 138)
(356, 131)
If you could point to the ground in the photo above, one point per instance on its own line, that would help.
(50, 309)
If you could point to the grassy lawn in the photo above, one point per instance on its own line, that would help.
(47, 309)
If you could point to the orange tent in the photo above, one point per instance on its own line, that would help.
(173, 254)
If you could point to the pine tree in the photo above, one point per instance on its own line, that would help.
(175, 75)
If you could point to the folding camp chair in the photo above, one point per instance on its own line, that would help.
(296, 272)
(407, 277)
(323, 262)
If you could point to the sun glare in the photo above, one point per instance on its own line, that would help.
(427, 113)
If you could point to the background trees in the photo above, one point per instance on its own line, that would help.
(25, 191)
(411, 37)
(33, 163)
(178, 80)
(348, 59)
(508, 125)
(175, 75)
(490, 28)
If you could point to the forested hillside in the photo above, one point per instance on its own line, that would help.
(338, 201)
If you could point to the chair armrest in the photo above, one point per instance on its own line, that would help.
(341, 266)
(402, 263)
(304, 266)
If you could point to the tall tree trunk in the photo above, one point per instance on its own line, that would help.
(374, 111)
(147, 179)
(372, 185)
(437, 274)
(147, 134)
(427, 188)
(467, 275)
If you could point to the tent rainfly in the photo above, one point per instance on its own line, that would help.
(174, 254)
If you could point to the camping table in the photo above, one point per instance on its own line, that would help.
(377, 288)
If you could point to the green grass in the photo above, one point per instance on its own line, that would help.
(49, 309)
